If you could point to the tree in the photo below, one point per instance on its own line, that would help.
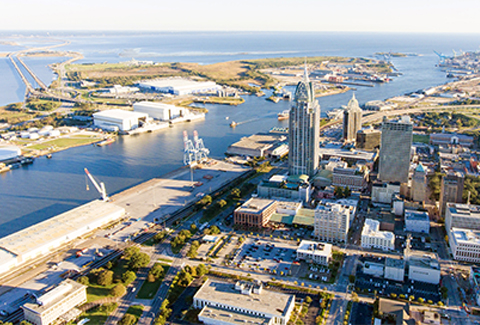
(236, 193)
(139, 260)
(192, 252)
(338, 191)
(351, 278)
(105, 278)
(193, 228)
(201, 270)
(128, 277)
(214, 230)
(221, 203)
(347, 192)
(151, 277)
(83, 280)
(444, 292)
(421, 300)
(308, 300)
(130, 251)
(128, 319)
(118, 290)
(355, 297)
(157, 271)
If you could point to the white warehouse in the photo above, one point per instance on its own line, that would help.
(160, 111)
(44, 237)
(179, 86)
(118, 119)
(417, 221)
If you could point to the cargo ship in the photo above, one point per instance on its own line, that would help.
(284, 115)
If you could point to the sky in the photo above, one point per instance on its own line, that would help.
(439, 16)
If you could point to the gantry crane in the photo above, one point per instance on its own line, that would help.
(100, 188)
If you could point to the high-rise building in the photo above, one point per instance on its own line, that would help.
(451, 190)
(352, 120)
(368, 139)
(419, 184)
(332, 222)
(395, 150)
(304, 130)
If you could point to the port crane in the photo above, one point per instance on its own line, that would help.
(194, 152)
(200, 150)
(100, 188)
(441, 56)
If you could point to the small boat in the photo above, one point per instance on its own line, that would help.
(49, 156)
(227, 118)
(284, 115)
(233, 124)
(105, 142)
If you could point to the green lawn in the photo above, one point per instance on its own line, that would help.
(96, 292)
(64, 143)
(149, 289)
(135, 310)
(99, 315)
(423, 138)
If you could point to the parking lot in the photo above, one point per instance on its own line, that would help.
(276, 257)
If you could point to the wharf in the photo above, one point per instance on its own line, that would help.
(351, 83)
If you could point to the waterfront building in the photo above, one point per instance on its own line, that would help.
(243, 302)
(451, 189)
(417, 221)
(356, 178)
(372, 237)
(9, 152)
(465, 244)
(423, 267)
(119, 119)
(394, 269)
(255, 213)
(396, 143)
(352, 120)
(314, 252)
(368, 139)
(257, 145)
(58, 303)
(43, 238)
(179, 86)
(463, 140)
(304, 130)
(419, 184)
(465, 216)
(332, 222)
(160, 111)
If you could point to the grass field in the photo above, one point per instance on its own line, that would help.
(148, 289)
(64, 143)
(99, 315)
(96, 292)
(135, 310)
(422, 138)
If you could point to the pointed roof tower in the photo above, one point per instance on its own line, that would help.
(353, 103)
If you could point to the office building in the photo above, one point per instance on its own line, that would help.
(352, 120)
(451, 190)
(417, 221)
(313, 252)
(384, 192)
(465, 244)
(395, 150)
(419, 184)
(355, 178)
(368, 139)
(241, 303)
(59, 302)
(460, 215)
(372, 237)
(332, 222)
(423, 267)
(304, 130)
(255, 213)
(394, 269)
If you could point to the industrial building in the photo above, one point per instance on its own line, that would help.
(118, 119)
(313, 252)
(59, 302)
(44, 237)
(160, 111)
(332, 222)
(256, 213)
(396, 143)
(258, 145)
(423, 267)
(372, 237)
(465, 216)
(9, 152)
(368, 139)
(179, 86)
(465, 244)
(417, 221)
(394, 269)
(227, 303)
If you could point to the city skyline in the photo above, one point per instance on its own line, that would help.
(214, 15)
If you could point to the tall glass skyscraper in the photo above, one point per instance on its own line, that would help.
(304, 131)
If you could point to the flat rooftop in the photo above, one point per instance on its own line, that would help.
(231, 316)
(54, 228)
(395, 262)
(347, 154)
(315, 248)
(416, 215)
(466, 236)
(466, 210)
(255, 205)
(424, 259)
(120, 114)
(372, 228)
(259, 141)
(268, 302)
